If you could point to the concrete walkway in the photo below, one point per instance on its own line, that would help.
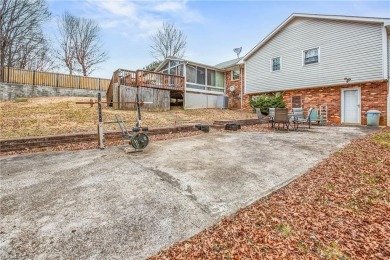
(112, 205)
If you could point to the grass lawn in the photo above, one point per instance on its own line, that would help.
(338, 210)
(60, 115)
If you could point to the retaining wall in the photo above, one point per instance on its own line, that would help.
(10, 91)
(18, 144)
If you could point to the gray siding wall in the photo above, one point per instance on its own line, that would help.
(347, 49)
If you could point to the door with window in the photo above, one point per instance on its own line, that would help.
(350, 106)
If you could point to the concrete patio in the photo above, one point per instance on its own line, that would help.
(112, 205)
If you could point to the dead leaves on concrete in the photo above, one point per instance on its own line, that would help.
(338, 210)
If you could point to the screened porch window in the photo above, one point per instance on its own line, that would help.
(311, 56)
(200, 75)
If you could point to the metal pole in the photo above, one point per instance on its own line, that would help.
(139, 122)
(100, 124)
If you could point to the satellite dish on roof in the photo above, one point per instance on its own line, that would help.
(237, 51)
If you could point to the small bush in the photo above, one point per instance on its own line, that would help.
(265, 101)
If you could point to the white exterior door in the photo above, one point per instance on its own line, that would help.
(350, 106)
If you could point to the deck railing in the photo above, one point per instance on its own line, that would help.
(159, 80)
(59, 80)
(144, 78)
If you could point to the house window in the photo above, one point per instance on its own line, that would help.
(296, 101)
(276, 64)
(310, 56)
(236, 74)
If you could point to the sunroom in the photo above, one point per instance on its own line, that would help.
(204, 83)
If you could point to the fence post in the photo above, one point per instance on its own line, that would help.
(57, 79)
(33, 78)
(99, 84)
(79, 81)
(100, 124)
(8, 75)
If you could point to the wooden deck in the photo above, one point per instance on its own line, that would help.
(147, 79)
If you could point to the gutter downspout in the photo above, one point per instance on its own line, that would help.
(185, 85)
(386, 67)
(241, 85)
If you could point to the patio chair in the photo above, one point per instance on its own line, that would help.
(281, 117)
(271, 115)
(315, 118)
(299, 117)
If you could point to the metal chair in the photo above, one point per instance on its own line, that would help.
(271, 115)
(314, 117)
(281, 117)
(299, 117)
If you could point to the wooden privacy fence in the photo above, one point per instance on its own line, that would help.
(32, 77)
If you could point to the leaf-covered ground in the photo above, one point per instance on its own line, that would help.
(338, 210)
(61, 115)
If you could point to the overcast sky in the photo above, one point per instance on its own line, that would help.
(213, 28)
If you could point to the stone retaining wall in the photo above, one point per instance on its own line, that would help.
(10, 91)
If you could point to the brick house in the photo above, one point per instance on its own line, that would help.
(338, 61)
(234, 83)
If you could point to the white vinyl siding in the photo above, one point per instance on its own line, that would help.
(346, 49)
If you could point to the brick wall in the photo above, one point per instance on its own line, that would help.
(373, 96)
(234, 97)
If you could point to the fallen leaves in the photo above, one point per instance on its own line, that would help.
(338, 210)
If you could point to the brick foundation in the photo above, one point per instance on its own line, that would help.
(373, 96)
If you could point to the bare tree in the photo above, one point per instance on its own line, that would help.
(67, 27)
(168, 42)
(88, 49)
(80, 42)
(20, 32)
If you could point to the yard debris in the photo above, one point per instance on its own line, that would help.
(338, 210)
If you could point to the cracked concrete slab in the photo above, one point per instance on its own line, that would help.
(112, 205)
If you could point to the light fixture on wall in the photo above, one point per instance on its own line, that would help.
(347, 80)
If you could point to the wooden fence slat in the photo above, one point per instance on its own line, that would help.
(22, 76)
